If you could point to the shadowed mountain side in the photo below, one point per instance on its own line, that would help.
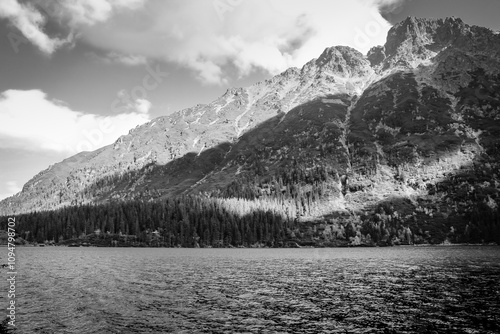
(164, 139)
(455, 209)
(418, 137)
(311, 133)
(214, 168)
(444, 184)
(154, 181)
(459, 208)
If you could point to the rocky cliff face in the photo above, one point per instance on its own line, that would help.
(413, 127)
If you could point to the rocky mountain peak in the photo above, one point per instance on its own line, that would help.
(413, 34)
(339, 60)
(416, 40)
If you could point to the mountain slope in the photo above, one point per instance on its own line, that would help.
(338, 69)
(408, 134)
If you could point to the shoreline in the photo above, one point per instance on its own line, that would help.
(266, 247)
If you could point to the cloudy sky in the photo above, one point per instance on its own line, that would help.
(77, 74)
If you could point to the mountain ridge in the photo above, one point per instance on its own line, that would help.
(401, 127)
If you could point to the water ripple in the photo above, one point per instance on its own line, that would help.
(387, 290)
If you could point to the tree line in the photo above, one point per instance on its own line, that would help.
(262, 209)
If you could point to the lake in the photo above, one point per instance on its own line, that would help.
(330, 290)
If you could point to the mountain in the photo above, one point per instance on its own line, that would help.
(193, 130)
(406, 136)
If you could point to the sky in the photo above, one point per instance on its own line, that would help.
(77, 74)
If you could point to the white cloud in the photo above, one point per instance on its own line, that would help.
(389, 6)
(119, 58)
(142, 106)
(30, 22)
(131, 60)
(90, 12)
(30, 18)
(31, 121)
(208, 36)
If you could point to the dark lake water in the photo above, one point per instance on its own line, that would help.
(454, 289)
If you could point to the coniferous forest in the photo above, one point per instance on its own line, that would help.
(262, 211)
